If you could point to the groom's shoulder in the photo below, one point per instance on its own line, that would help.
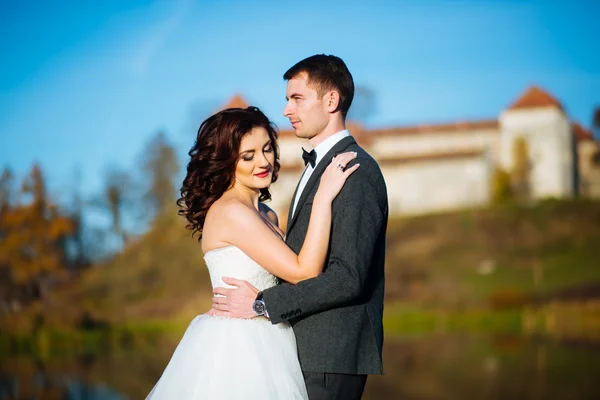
(366, 161)
(368, 175)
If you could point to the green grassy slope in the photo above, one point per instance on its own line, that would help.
(495, 256)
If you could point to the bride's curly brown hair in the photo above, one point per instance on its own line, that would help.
(214, 156)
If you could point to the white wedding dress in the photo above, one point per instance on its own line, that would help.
(228, 358)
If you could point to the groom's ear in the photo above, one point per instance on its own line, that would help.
(332, 99)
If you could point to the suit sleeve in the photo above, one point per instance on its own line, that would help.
(359, 216)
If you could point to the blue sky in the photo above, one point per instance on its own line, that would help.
(84, 84)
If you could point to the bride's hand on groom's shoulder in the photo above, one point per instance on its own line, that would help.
(335, 176)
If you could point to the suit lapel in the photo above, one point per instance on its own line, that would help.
(289, 217)
(316, 175)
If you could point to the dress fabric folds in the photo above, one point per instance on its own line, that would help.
(228, 358)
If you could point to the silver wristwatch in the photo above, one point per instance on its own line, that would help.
(259, 306)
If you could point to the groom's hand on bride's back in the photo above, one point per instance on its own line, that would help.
(237, 302)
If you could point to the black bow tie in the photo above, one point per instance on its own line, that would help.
(309, 157)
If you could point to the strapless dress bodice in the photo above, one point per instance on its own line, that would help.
(230, 261)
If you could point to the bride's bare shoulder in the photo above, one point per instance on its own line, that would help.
(224, 217)
(227, 209)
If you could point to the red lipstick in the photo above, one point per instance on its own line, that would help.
(262, 174)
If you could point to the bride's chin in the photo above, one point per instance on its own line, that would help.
(266, 186)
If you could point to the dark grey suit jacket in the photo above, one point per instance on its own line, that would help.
(337, 316)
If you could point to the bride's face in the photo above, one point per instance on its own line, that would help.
(254, 167)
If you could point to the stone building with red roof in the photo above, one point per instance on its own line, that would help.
(440, 167)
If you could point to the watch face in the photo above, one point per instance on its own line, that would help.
(259, 307)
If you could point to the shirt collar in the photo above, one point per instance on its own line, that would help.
(327, 144)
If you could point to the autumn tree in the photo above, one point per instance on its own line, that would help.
(6, 190)
(116, 199)
(80, 256)
(521, 169)
(160, 166)
(501, 189)
(33, 241)
(596, 123)
(363, 105)
(6, 200)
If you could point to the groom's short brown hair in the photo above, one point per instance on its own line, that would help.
(326, 72)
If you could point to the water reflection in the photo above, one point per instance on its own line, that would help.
(488, 367)
(432, 367)
(64, 379)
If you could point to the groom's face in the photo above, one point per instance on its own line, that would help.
(305, 109)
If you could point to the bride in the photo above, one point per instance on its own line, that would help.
(233, 163)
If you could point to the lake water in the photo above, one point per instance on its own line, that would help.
(431, 367)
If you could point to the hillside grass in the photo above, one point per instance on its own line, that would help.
(484, 257)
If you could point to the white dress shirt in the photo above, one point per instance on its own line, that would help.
(321, 149)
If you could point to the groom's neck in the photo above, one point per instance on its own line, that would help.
(330, 130)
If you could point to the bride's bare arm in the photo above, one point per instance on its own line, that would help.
(255, 238)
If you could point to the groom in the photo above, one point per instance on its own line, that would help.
(337, 316)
